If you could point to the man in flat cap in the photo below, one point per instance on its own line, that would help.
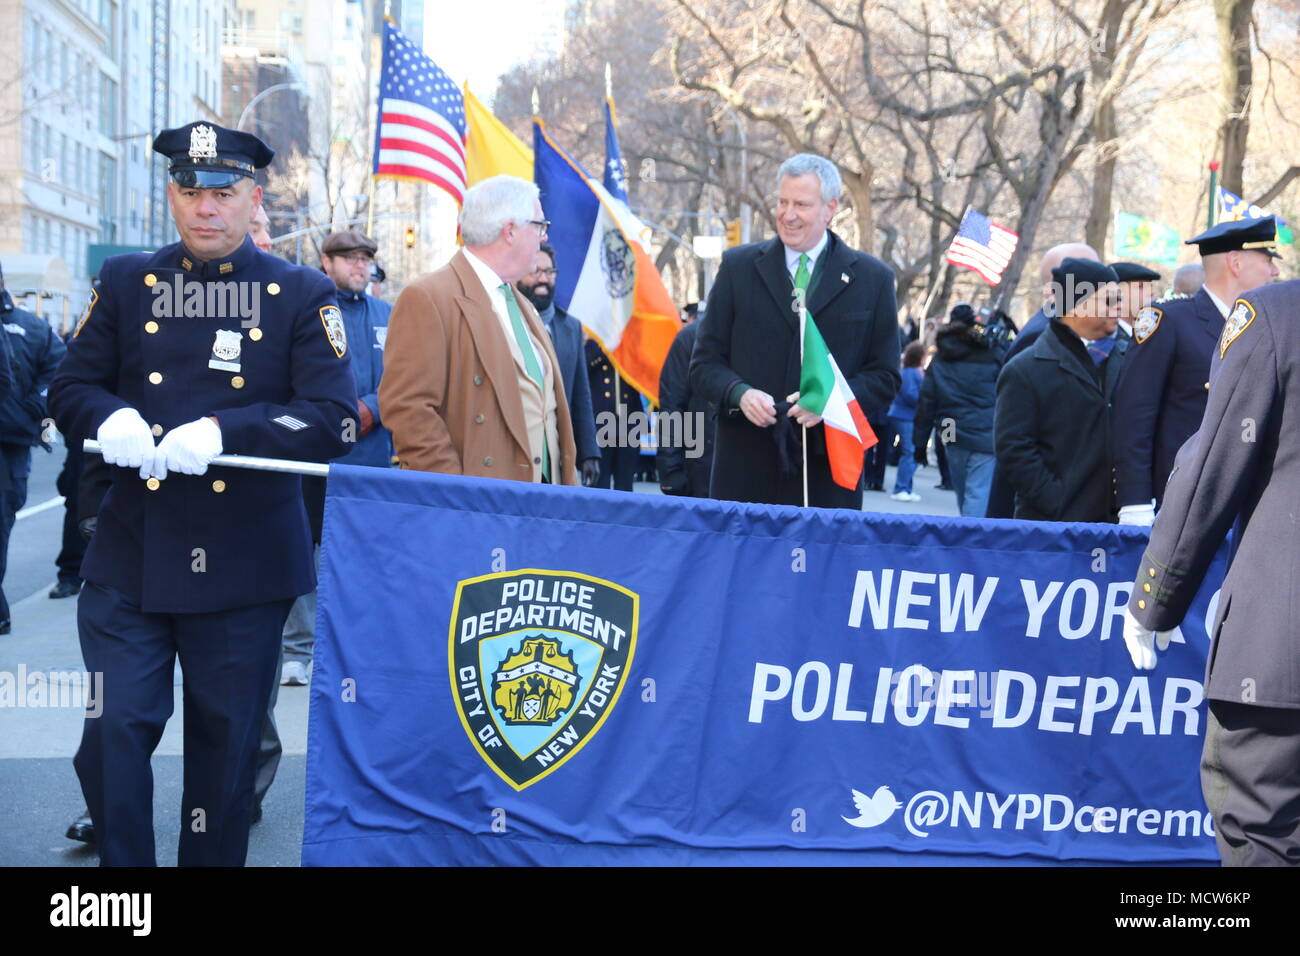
(1137, 286)
(206, 346)
(1052, 420)
(347, 257)
(1161, 396)
(1240, 470)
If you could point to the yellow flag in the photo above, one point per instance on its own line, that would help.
(490, 147)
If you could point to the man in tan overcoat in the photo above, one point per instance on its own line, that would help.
(471, 383)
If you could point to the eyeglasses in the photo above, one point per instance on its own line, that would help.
(543, 225)
(353, 256)
(546, 273)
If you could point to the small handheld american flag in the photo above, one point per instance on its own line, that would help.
(982, 245)
(421, 125)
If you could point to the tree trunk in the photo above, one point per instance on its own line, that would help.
(1103, 177)
(1233, 17)
(1105, 134)
(858, 186)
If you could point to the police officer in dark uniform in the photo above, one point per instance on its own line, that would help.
(1240, 470)
(612, 401)
(1161, 396)
(204, 347)
(1137, 285)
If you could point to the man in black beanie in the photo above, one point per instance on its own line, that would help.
(1052, 421)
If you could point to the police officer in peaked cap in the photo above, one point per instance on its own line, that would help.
(1161, 394)
(207, 346)
(1240, 470)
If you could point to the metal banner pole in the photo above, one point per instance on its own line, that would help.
(245, 461)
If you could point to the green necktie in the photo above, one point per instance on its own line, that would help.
(801, 276)
(532, 365)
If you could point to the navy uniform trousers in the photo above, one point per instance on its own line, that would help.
(1250, 776)
(229, 659)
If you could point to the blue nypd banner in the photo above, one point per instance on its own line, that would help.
(521, 674)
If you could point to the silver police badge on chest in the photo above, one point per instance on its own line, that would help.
(225, 351)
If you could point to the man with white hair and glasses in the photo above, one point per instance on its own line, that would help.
(471, 382)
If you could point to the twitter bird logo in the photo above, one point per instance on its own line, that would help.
(873, 810)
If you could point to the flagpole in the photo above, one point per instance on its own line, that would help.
(803, 319)
(1214, 194)
(938, 279)
(90, 446)
(374, 159)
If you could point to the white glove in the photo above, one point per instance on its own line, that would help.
(1142, 642)
(189, 448)
(1140, 516)
(125, 440)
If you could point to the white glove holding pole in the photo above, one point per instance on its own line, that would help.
(1143, 642)
(125, 440)
(1140, 516)
(190, 448)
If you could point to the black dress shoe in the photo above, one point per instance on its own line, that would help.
(82, 830)
(65, 589)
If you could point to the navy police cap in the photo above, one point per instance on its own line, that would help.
(1257, 234)
(208, 156)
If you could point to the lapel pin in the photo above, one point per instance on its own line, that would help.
(844, 277)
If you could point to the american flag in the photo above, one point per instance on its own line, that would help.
(421, 132)
(982, 245)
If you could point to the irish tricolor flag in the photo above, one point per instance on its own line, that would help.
(823, 390)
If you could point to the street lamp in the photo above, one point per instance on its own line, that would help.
(266, 92)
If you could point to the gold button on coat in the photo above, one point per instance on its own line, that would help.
(218, 486)
(1147, 587)
(1151, 571)
(157, 430)
(237, 381)
(155, 378)
(255, 334)
(1142, 605)
(153, 484)
(151, 280)
(272, 288)
(151, 327)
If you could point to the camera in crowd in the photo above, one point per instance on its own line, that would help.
(989, 327)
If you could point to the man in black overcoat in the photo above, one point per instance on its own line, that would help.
(747, 356)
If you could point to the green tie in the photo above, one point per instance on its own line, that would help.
(531, 365)
(801, 275)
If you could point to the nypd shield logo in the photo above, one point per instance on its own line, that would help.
(538, 660)
(1147, 321)
(332, 319)
(1243, 313)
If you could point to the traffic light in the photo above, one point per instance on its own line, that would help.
(733, 233)
(410, 237)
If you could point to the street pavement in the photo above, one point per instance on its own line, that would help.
(39, 792)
